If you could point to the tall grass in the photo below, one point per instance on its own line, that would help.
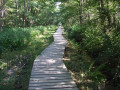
(20, 46)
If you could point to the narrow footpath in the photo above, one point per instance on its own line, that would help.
(49, 71)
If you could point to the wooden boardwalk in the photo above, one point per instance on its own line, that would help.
(49, 71)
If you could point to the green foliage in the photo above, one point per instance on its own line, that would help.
(35, 40)
(94, 25)
(21, 13)
(17, 38)
(76, 33)
(96, 74)
(102, 48)
(14, 38)
(99, 42)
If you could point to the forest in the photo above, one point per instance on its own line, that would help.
(92, 28)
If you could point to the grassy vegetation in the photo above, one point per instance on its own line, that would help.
(19, 47)
(93, 56)
(79, 67)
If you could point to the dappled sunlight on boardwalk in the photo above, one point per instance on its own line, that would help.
(49, 71)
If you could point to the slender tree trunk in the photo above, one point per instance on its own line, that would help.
(4, 15)
(24, 17)
(0, 21)
(27, 5)
(118, 21)
(24, 20)
(27, 21)
(1, 8)
(16, 7)
(101, 12)
(16, 12)
(80, 10)
(88, 15)
(108, 14)
(114, 18)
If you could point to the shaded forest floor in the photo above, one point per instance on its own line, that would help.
(77, 65)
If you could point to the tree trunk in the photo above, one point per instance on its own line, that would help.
(1, 8)
(27, 5)
(80, 10)
(114, 18)
(16, 12)
(0, 21)
(102, 12)
(88, 15)
(24, 17)
(24, 20)
(108, 14)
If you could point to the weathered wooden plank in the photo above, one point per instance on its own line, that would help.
(48, 65)
(50, 75)
(46, 68)
(50, 84)
(46, 78)
(38, 76)
(49, 71)
(50, 81)
(52, 72)
(60, 82)
(38, 88)
(55, 86)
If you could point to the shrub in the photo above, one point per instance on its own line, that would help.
(17, 38)
(93, 41)
(102, 46)
(14, 38)
(76, 32)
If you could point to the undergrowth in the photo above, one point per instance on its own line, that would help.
(95, 55)
(19, 47)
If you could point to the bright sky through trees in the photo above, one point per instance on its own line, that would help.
(58, 5)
